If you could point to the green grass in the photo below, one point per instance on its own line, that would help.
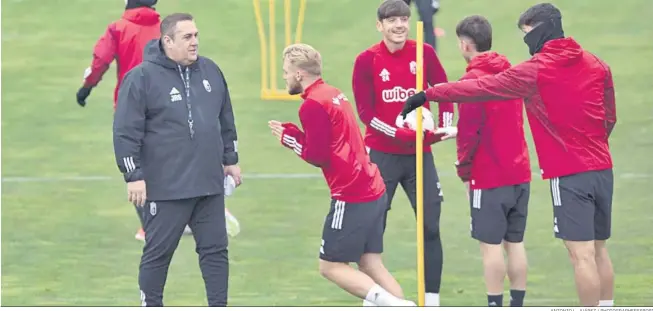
(71, 242)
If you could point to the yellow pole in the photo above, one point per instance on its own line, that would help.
(273, 46)
(419, 80)
(300, 21)
(264, 50)
(287, 21)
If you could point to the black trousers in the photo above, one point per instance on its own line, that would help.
(398, 169)
(426, 11)
(164, 225)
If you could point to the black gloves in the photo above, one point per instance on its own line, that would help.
(413, 103)
(82, 94)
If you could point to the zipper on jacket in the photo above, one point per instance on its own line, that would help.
(185, 78)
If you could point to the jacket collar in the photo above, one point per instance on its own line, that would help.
(312, 87)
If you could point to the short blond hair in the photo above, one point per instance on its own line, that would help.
(304, 57)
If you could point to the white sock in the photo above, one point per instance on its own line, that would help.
(432, 300)
(368, 304)
(606, 303)
(382, 298)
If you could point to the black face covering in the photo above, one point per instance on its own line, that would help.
(543, 33)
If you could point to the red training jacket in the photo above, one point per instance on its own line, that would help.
(570, 103)
(124, 40)
(382, 81)
(492, 149)
(332, 141)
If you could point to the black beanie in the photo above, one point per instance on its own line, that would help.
(132, 4)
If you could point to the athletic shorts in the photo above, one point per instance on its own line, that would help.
(499, 214)
(582, 205)
(353, 229)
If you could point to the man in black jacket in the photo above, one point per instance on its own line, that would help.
(175, 139)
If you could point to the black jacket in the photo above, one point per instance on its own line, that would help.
(175, 138)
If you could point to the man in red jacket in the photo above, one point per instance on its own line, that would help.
(123, 41)
(493, 163)
(570, 103)
(331, 140)
(383, 77)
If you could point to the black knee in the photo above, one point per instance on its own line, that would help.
(212, 249)
(431, 232)
(157, 254)
(432, 221)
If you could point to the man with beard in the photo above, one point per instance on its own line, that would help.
(332, 141)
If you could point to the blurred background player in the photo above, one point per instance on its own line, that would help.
(383, 77)
(332, 141)
(124, 41)
(493, 163)
(427, 10)
(570, 104)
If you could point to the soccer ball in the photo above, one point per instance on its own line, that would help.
(411, 120)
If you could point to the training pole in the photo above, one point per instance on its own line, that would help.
(419, 155)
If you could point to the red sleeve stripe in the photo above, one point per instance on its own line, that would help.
(383, 127)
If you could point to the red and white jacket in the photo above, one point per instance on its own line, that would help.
(124, 40)
(332, 141)
(382, 81)
(491, 146)
(570, 103)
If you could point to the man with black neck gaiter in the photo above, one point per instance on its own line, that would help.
(569, 97)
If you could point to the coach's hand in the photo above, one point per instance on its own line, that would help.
(82, 94)
(234, 171)
(136, 192)
(413, 103)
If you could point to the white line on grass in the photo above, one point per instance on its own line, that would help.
(44, 179)
(37, 179)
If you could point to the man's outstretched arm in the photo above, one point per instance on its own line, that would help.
(104, 53)
(517, 82)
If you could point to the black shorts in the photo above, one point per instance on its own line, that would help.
(499, 214)
(353, 229)
(582, 205)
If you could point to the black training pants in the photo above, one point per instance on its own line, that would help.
(426, 13)
(164, 225)
(401, 169)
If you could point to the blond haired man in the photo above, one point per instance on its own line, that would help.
(329, 138)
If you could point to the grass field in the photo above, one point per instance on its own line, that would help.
(70, 242)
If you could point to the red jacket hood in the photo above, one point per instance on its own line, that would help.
(142, 16)
(490, 62)
(562, 52)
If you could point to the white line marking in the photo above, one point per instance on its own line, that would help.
(37, 179)
(43, 179)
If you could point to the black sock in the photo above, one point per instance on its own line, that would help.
(495, 300)
(517, 297)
